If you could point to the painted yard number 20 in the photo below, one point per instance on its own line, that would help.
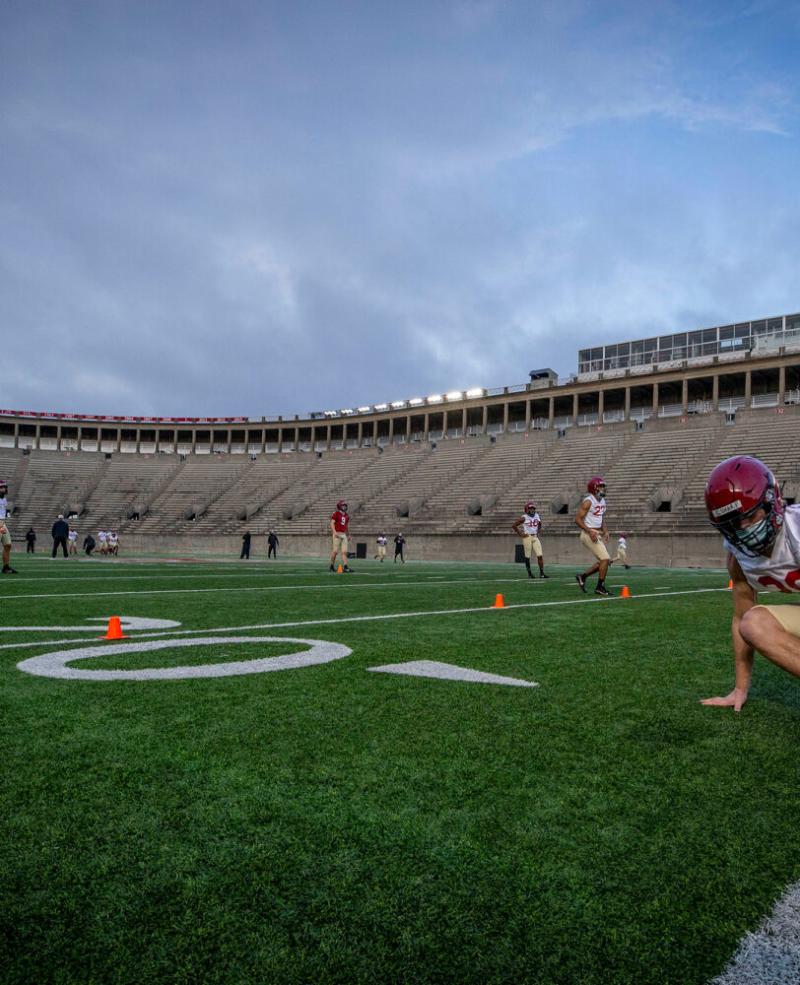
(58, 663)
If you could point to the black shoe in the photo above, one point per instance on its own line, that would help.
(347, 571)
(543, 575)
(627, 567)
(601, 590)
(332, 568)
(8, 570)
(530, 575)
(581, 580)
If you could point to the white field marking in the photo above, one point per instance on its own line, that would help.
(55, 664)
(385, 616)
(118, 576)
(771, 954)
(449, 672)
(260, 588)
(127, 622)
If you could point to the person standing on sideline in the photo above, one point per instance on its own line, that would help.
(527, 527)
(5, 533)
(622, 551)
(72, 537)
(246, 538)
(272, 545)
(382, 541)
(591, 518)
(30, 541)
(399, 544)
(89, 544)
(60, 533)
(340, 526)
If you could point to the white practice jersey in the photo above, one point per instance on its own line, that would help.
(531, 524)
(623, 543)
(102, 536)
(594, 515)
(382, 541)
(780, 572)
(3, 508)
(73, 536)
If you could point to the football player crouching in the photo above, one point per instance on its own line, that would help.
(762, 537)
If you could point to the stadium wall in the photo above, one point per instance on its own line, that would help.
(697, 551)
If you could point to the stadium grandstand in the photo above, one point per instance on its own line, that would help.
(451, 470)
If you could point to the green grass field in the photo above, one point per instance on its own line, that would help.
(327, 824)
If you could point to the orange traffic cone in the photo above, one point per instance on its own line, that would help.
(340, 570)
(730, 584)
(499, 602)
(625, 593)
(114, 630)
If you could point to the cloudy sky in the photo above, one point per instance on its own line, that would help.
(256, 207)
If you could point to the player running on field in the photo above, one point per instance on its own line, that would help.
(528, 527)
(5, 533)
(340, 525)
(591, 518)
(762, 537)
(382, 541)
(622, 551)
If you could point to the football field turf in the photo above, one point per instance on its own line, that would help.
(330, 824)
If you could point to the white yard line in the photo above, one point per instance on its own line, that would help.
(351, 584)
(375, 618)
(771, 954)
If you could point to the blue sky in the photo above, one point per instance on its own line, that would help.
(259, 208)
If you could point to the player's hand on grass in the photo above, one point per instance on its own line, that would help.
(734, 700)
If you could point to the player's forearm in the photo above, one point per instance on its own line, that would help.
(742, 658)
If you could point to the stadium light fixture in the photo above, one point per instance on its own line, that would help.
(435, 398)
(364, 410)
(331, 413)
(416, 401)
(398, 404)
(476, 391)
(381, 406)
(347, 410)
(455, 395)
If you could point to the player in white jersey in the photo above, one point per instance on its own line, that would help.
(591, 518)
(102, 536)
(762, 537)
(72, 539)
(622, 551)
(113, 543)
(5, 533)
(382, 541)
(527, 527)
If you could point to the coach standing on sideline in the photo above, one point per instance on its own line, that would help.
(60, 533)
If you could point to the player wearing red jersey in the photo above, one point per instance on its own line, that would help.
(340, 526)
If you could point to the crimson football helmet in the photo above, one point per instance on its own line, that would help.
(530, 507)
(597, 486)
(341, 506)
(735, 490)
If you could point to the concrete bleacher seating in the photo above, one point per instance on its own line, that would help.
(472, 486)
